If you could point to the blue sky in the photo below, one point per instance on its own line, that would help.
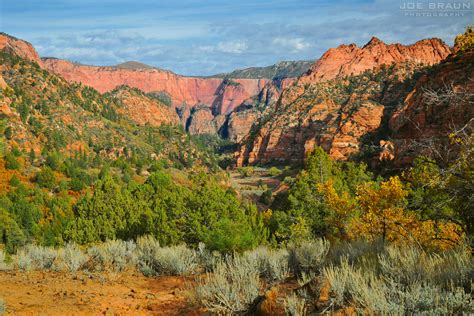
(206, 37)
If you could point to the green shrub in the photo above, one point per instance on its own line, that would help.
(16, 151)
(274, 172)
(12, 233)
(53, 160)
(14, 181)
(8, 132)
(266, 197)
(46, 178)
(245, 172)
(76, 184)
(230, 235)
(11, 162)
(288, 180)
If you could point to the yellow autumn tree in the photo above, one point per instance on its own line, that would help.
(341, 206)
(464, 42)
(383, 215)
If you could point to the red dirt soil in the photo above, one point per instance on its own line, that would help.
(129, 293)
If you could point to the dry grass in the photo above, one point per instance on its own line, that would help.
(377, 279)
(232, 288)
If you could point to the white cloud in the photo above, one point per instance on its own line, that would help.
(206, 48)
(77, 53)
(295, 44)
(233, 47)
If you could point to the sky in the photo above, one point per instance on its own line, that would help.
(206, 37)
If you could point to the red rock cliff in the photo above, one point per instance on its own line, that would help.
(315, 111)
(190, 90)
(347, 60)
(19, 47)
(440, 103)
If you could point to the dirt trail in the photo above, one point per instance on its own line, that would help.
(54, 293)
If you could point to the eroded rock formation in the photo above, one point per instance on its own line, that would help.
(144, 110)
(441, 103)
(331, 108)
(349, 60)
(19, 47)
(220, 94)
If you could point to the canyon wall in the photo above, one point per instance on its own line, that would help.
(19, 47)
(331, 108)
(352, 101)
(441, 103)
(349, 60)
(219, 94)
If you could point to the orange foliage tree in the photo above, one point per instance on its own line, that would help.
(383, 215)
(379, 212)
(342, 207)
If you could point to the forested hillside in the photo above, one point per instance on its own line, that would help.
(60, 141)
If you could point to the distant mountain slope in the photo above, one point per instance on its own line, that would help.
(143, 109)
(217, 93)
(39, 110)
(133, 65)
(281, 70)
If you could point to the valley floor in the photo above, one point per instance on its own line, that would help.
(54, 293)
(254, 185)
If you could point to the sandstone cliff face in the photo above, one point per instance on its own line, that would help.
(441, 102)
(202, 121)
(19, 47)
(3, 84)
(239, 125)
(215, 92)
(281, 121)
(144, 110)
(291, 139)
(316, 110)
(347, 60)
(343, 116)
(367, 118)
(241, 121)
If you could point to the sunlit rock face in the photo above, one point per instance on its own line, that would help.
(308, 114)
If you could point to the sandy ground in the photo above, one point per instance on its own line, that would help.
(130, 293)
